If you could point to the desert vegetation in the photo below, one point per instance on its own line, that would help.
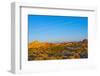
(60, 50)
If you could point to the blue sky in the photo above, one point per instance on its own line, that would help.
(57, 28)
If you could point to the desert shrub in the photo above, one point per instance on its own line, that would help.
(84, 54)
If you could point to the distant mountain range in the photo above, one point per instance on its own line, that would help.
(37, 44)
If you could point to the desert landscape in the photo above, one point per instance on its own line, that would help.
(59, 50)
(57, 37)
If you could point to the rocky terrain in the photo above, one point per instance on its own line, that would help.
(61, 50)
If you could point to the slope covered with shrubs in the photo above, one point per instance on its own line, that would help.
(62, 50)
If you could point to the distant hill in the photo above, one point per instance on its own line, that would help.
(37, 44)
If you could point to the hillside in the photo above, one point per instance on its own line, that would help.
(64, 50)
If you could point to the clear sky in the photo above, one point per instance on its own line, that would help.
(57, 28)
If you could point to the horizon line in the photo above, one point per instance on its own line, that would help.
(58, 41)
